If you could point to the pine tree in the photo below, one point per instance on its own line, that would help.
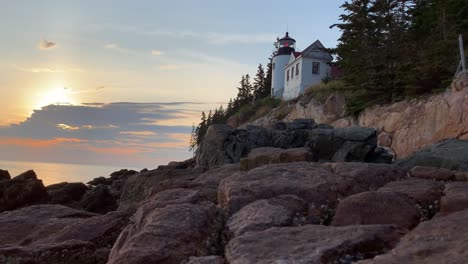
(268, 77)
(259, 89)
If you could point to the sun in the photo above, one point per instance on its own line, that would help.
(56, 95)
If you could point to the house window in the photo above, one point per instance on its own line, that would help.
(273, 65)
(292, 72)
(287, 75)
(297, 69)
(315, 67)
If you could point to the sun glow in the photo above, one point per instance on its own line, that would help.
(57, 95)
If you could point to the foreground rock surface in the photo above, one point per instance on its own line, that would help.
(456, 197)
(171, 233)
(432, 173)
(441, 240)
(286, 210)
(371, 208)
(311, 244)
(57, 234)
(320, 185)
(425, 193)
(141, 186)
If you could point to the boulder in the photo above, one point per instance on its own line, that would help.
(139, 187)
(374, 208)
(455, 198)
(98, 200)
(176, 196)
(23, 190)
(301, 123)
(384, 139)
(169, 234)
(286, 210)
(27, 175)
(100, 180)
(311, 244)
(208, 182)
(343, 144)
(440, 240)
(186, 164)
(461, 176)
(315, 183)
(57, 234)
(211, 153)
(222, 144)
(263, 156)
(432, 173)
(4, 175)
(122, 173)
(279, 125)
(381, 155)
(206, 260)
(321, 143)
(426, 193)
(451, 154)
(66, 193)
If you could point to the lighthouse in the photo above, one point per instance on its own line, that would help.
(285, 46)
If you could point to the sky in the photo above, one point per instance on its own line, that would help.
(115, 82)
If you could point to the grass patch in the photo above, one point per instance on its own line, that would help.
(322, 91)
(258, 109)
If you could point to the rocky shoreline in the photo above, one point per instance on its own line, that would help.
(297, 193)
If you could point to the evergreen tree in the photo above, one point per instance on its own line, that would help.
(259, 89)
(268, 76)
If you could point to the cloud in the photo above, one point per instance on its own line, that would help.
(172, 67)
(47, 69)
(117, 48)
(237, 38)
(156, 52)
(46, 45)
(114, 133)
(214, 38)
(111, 46)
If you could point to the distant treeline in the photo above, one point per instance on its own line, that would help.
(390, 50)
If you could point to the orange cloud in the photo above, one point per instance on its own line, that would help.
(138, 133)
(125, 151)
(37, 143)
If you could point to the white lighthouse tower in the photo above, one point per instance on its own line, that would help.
(285, 46)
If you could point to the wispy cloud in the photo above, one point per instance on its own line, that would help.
(46, 45)
(157, 52)
(111, 46)
(47, 69)
(173, 67)
(215, 38)
(237, 38)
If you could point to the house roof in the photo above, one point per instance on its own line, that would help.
(297, 54)
(316, 50)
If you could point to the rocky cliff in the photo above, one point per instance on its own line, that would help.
(276, 207)
(405, 126)
(292, 192)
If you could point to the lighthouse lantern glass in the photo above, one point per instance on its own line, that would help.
(287, 44)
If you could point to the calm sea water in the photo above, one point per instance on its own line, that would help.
(51, 173)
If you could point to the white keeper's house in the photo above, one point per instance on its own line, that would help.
(295, 71)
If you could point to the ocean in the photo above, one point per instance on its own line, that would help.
(51, 173)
